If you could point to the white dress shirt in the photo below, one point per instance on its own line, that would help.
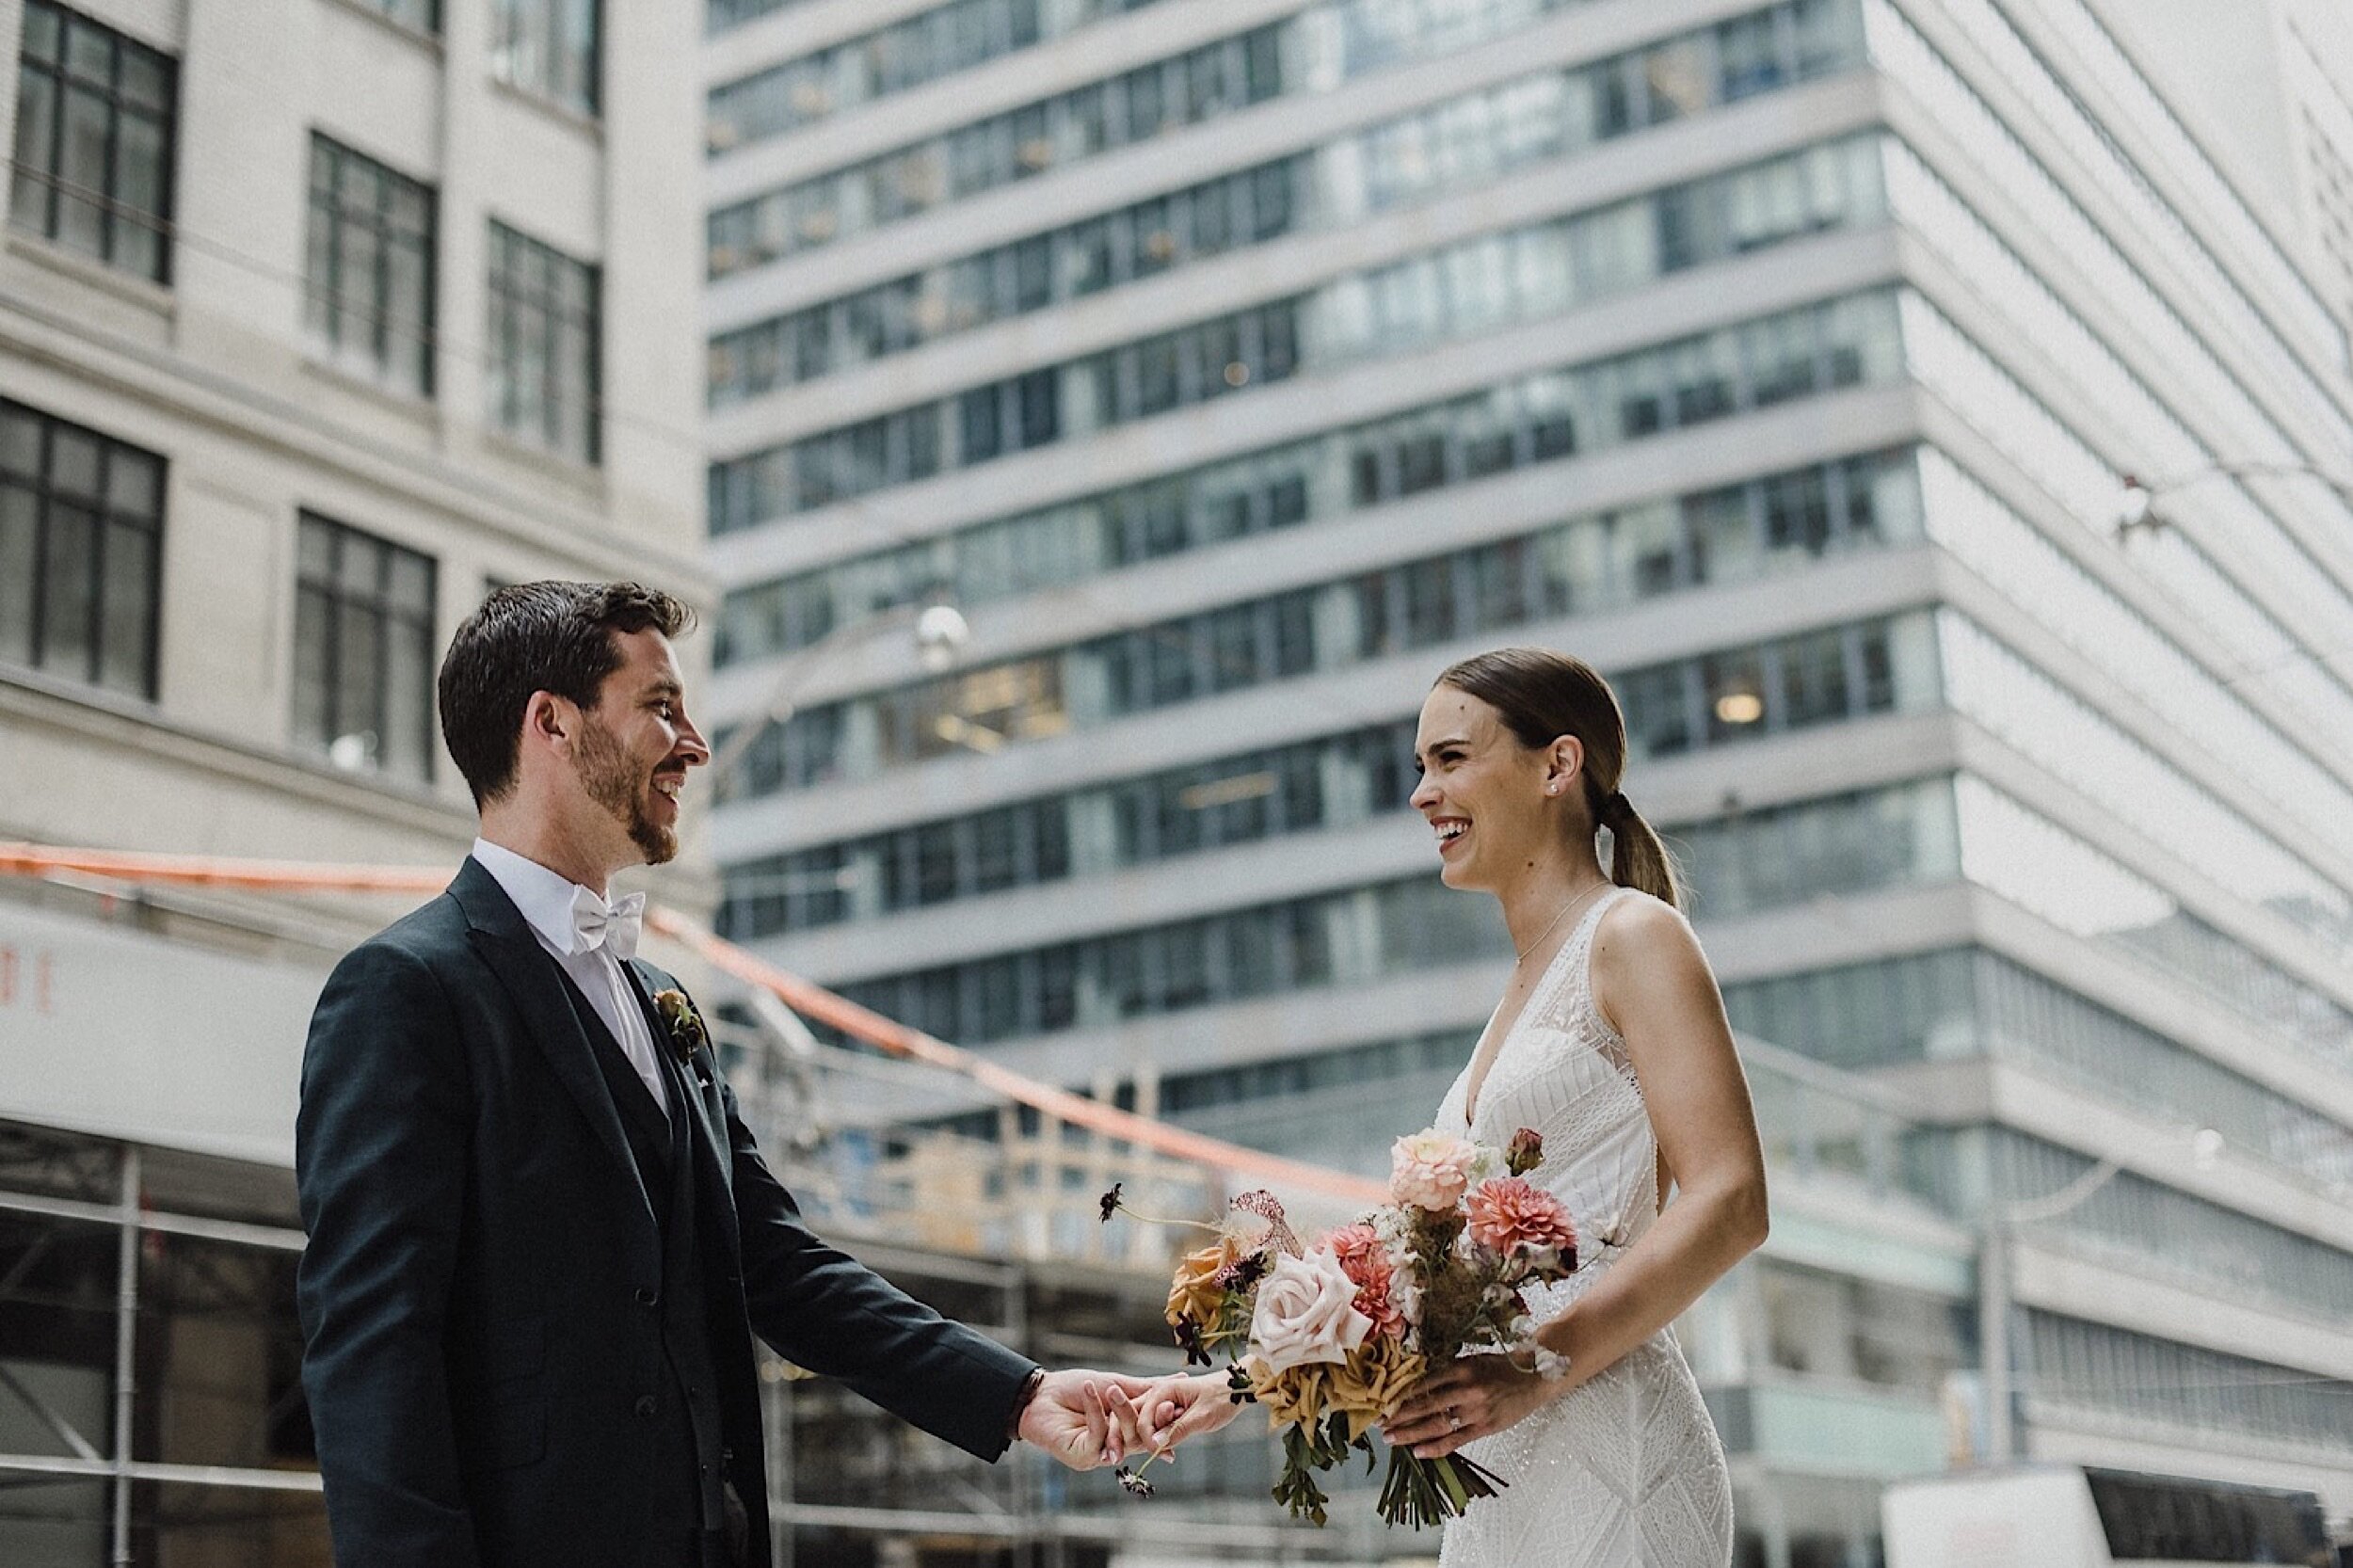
(545, 898)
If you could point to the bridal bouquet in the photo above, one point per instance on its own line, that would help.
(1331, 1338)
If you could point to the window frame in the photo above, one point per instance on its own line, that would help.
(323, 297)
(378, 602)
(113, 213)
(105, 520)
(512, 30)
(510, 301)
(427, 22)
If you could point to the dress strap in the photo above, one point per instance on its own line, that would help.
(1584, 1014)
(1582, 939)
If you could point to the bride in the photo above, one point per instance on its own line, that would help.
(1610, 1041)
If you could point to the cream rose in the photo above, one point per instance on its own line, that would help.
(1307, 1312)
(1429, 1170)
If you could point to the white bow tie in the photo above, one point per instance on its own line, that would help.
(611, 926)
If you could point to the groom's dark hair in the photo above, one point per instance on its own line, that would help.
(536, 637)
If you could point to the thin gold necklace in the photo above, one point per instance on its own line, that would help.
(1547, 931)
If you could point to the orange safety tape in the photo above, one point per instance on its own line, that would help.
(804, 997)
(815, 1003)
(199, 870)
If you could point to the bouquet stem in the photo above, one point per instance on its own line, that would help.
(1419, 1492)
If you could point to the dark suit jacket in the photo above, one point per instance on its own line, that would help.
(475, 1344)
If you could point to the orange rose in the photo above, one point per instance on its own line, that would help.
(1373, 1383)
(1195, 1296)
(1297, 1396)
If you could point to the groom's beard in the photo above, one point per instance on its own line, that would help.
(614, 782)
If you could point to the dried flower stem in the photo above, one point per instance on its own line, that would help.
(1114, 1204)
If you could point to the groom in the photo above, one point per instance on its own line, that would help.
(541, 1238)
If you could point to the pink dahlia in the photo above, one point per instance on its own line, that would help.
(1376, 1292)
(1351, 1242)
(1366, 1261)
(1510, 1214)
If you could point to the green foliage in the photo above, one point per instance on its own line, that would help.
(1308, 1449)
(1297, 1490)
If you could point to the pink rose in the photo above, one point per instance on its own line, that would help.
(1306, 1311)
(1429, 1170)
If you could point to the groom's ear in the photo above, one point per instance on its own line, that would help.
(550, 723)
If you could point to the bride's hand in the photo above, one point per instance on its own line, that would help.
(1174, 1410)
(1476, 1397)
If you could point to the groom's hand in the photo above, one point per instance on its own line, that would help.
(1070, 1417)
(1174, 1410)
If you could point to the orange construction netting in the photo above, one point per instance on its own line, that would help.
(812, 1001)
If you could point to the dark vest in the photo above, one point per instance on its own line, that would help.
(687, 1493)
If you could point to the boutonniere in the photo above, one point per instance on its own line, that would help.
(687, 1033)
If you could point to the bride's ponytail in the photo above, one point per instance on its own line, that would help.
(1638, 858)
(1543, 695)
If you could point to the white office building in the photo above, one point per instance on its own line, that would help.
(317, 318)
(1234, 367)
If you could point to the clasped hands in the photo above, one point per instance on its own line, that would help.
(1087, 1419)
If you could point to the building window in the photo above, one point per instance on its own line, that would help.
(370, 299)
(905, 54)
(92, 167)
(719, 15)
(1385, 929)
(1810, 350)
(543, 385)
(423, 15)
(363, 652)
(1018, 144)
(81, 533)
(1030, 275)
(548, 47)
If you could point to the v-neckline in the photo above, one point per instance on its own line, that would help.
(1473, 1087)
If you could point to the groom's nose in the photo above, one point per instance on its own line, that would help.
(692, 748)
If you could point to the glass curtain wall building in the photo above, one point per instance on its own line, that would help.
(1233, 369)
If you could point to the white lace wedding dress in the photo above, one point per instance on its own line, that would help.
(1624, 1471)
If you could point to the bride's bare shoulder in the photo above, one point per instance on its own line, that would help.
(1638, 924)
(1646, 941)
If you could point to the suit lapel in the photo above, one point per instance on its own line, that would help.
(504, 939)
(708, 1115)
(707, 1146)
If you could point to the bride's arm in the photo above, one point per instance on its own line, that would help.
(1654, 984)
